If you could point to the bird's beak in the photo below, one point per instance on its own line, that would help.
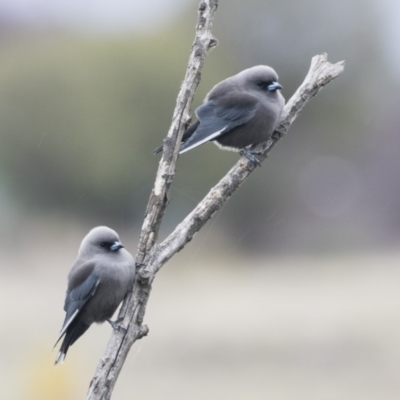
(274, 86)
(116, 246)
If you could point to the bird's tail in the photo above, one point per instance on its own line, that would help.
(74, 331)
(158, 149)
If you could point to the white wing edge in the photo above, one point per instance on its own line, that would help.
(68, 323)
(206, 139)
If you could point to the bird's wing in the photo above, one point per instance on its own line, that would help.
(82, 286)
(220, 115)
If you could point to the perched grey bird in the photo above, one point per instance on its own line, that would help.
(99, 279)
(240, 111)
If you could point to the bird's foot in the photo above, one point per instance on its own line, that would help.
(250, 156)
(116, 326)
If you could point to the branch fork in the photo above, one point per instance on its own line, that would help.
(152, 256)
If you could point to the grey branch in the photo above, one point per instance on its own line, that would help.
(134, 306)
(159, 197)
(152, 256)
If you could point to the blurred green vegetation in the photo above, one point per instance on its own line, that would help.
(76, 117)
(80, 116)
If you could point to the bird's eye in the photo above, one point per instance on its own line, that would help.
(103, 244)
(260, 83)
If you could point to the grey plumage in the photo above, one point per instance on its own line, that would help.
(98, 281)
(238, 112)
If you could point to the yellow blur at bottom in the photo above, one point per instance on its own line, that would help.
(45, 381)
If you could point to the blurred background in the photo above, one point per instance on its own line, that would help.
(290, 292)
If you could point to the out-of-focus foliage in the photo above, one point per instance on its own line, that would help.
(80, 116)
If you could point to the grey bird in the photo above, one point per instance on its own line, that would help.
(238, 112)
(98, 281)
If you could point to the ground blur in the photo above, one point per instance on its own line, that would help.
(221, 326)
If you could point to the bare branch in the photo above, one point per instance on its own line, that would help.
(152, 256)
(134, 306)
(159, 197)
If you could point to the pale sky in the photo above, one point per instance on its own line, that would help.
(93, 15)
(122, 16)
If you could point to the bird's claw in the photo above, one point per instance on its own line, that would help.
(250, 156)
(116, 326)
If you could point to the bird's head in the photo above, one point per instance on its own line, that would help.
(100, 240)
(261, 78)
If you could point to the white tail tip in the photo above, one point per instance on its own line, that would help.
(60, 358)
